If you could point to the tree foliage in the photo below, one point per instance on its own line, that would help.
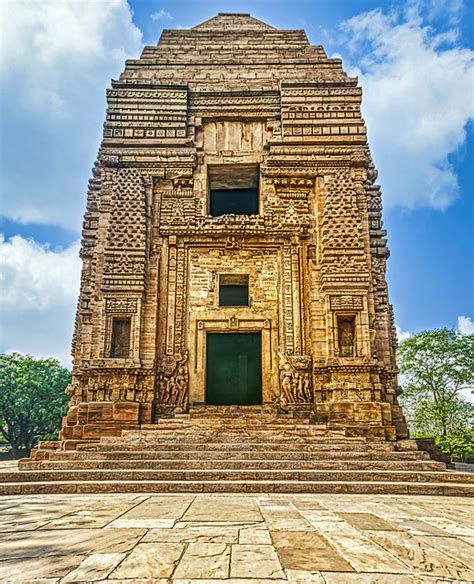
(435, 366)
(459, 446)
(32, 399)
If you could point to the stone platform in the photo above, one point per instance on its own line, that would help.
(234, 450)
(239, 539)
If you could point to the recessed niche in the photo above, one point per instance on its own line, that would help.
(346, 335)
(233, 189)
(120, 340)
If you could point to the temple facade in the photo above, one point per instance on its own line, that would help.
(233, 250)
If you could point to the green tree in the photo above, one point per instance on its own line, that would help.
(459, 446)
(32, 399)
(435, 366)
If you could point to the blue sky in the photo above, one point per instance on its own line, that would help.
(415, 63)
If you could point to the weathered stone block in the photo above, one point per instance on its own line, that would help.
(71, 417)
(82, 410)
(367, 411)
(100, 412)
(126, 411)
(77, 433)
(341, 411)
(67, 432)
(386, 412)
(94, 432)
(146, 413)
(390, 431)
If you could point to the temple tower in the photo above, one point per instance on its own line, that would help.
(233, 250)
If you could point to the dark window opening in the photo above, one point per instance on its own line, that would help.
(346, 335)
(120, 341)
(233, 189)
(233, 290)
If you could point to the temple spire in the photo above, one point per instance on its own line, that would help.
(233, 21)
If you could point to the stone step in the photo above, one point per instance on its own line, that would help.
(208, 425)
(247, 450)
(237, 454)
(268, 410)
(176, 444)
(256, 420)
(247, 475)
(232, 437)
(306, 432)
(303, 432)
(236, 464)
(240, 486)
(284, 419)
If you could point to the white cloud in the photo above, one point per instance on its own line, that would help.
(49, 40)
(402, 335)
(465, 325)
(451, 10)
(38, 292)
(57, 59)
(417, 101)
(161, 15)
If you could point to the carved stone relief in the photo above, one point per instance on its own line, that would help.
(295, 380)
(173, 383)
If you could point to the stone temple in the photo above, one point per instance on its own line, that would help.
(233, 300)
(233, 247)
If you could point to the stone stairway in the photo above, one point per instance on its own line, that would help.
(244, 450)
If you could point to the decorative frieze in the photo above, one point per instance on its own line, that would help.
(152, 114)
(351, 303)
(118, 305)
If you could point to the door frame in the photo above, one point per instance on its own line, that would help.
(233, 332)
(251, 324)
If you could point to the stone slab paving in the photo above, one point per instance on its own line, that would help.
(239, 539)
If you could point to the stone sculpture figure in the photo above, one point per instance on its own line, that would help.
(295, 379)
(346, 338)
(174, 383)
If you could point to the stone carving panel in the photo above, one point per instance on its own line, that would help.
(154, 113)
(295, 380)
(308, 111)
(173, 383)
(117, 305)
(115, 385)
(352, 303)
(126, 236)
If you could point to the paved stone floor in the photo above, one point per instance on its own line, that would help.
(206, 539)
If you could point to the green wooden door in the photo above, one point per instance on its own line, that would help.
(234, 369)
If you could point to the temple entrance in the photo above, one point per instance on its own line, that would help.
(234, 369)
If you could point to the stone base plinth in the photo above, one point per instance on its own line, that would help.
(372, 419)
(92, 420)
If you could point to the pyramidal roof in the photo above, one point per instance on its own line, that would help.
(233, 21)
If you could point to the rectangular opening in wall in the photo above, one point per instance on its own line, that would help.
(120, 341)
(234, 369)
(346, 335)
(233, 189)
(233, 290)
